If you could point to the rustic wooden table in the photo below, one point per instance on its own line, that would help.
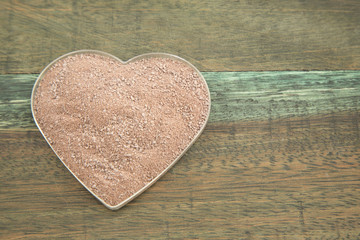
(279, 159)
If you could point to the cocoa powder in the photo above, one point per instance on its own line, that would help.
(117, 126)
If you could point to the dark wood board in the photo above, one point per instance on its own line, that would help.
(214, 35)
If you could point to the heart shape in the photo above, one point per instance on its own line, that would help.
(119, 126)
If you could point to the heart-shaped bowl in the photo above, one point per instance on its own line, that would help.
(134, 59)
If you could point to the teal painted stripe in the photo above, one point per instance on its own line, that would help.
(235, 95)
(273, 95)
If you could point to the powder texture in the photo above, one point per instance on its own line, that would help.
(117, 126)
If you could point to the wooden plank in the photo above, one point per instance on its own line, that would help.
(295, 178)
(235, 95)
(282, 174)
(214, 35)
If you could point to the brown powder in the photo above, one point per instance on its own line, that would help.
(117, 126)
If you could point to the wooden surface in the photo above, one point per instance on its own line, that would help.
(279, 159)
(232, 35)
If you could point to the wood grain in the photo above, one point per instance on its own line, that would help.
(214, 35)
(287, 169)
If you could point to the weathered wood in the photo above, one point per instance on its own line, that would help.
(214, 35)
(235, 95)
(288, 169)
